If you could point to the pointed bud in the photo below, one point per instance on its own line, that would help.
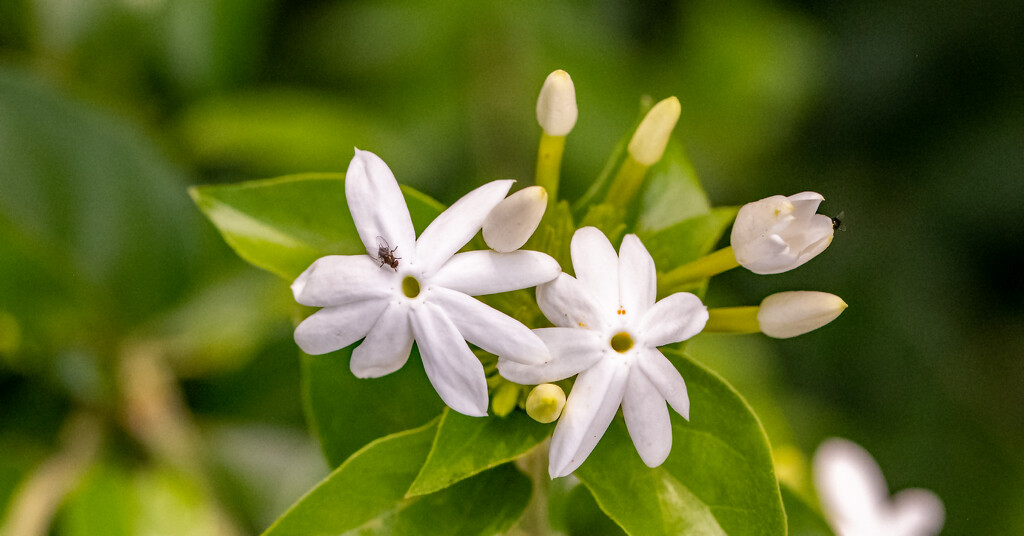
(556, 106)
(651, 137)
(788, 314)
(779, 233)
(513, 221)
(545, 402)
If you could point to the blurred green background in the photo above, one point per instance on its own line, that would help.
(148, 377)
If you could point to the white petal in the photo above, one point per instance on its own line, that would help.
(596, 266)
(387, 346)
(514, 220)
(647, 420)
(916, 512)
(377, 206)
(456, 374)
(488, 272)
(666, 379)
(341, 279)
(805, 204)
(788, 314)
(454, 227)
(489, 328)
(333, 328)
(556, 106)
(648, 143)
(572, 351)
(638, 283)
(590, 408)
(675, 318)
(817, 236)
(850, 485)
(567, 303)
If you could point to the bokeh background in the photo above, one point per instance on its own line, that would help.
(147, 376)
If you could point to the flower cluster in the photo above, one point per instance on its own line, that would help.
(600, 328)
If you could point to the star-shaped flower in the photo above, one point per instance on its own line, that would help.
(855, 497)
(779, 233)
(608, 330)
(406, 289)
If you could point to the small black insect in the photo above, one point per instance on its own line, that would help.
(386, 254)
(837, 221)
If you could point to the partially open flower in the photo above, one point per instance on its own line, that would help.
(556, 106)
(514, 220)
(788, 314)
(779, 233)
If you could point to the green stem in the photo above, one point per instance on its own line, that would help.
(626, 183)
(549, 164)
(733, 320)
(702, 268)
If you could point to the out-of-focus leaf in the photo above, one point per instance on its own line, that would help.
(801, 518)
(465, 446)
(347, 412)
(103, 504)
(284, 224)
(671, 194)
(583, 517)
(719, 478)
(366, 495)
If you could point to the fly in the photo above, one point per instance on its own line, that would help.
(386, 254)
(837, 221)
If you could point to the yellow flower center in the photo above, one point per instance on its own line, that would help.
(410, 286)
(621, 342)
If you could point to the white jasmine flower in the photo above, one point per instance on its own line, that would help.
(406, 289)
(779, 233)
(788, 314)
(556, 106)
(855, 497)
(608, 330)
(514, 220)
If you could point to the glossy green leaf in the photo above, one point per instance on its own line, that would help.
(672, 193)
(286, 223)
(719, 478)
(801, 518)
(689, 239)
(366, 495)
(465, 446)
(347, 412)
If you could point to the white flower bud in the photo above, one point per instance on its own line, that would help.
(556, 106)
(514, 220)
(651, 137)
(788, 314)
(545, 402)
(779, 233)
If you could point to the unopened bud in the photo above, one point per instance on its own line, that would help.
(651, 137)
(788, 314)
(556, 106)
(545, 402)
(513, 221)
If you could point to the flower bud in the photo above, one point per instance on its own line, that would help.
(779, 233)
(651, 137)
(545, 402)
(511, 223)
(556, 106)
(788, 314)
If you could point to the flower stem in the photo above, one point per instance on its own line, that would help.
(704, 267)
(733, 320)
(549, 164)
(626, 183)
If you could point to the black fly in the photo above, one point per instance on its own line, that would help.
(837, 221)
(386, 254)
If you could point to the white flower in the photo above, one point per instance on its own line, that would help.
(608, 330)
(556, 106)
(779, 233)
(405, 289)
(788, 314)
(855, 497)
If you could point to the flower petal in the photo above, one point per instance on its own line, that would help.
(597, 267)
(377, 205)
(849, 482)
(805, 204)
(590, 408)
(675, 318)
(489, 328)
(456, 374)
(572, 351)
(341, 279)
(387, 346)
(666, 379)
(488, 272)
(454, 227)
(638, 284)
(333, 328)
(567, 303)
(916, 512)
(647, 420)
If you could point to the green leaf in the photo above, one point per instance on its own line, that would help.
(719, 478)
(366, 495)
(801, 518)
(347, 412)
(286, 223)
(689, 239)
(672, 193)
(465, 446)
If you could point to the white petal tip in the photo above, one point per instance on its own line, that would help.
(514, 220)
